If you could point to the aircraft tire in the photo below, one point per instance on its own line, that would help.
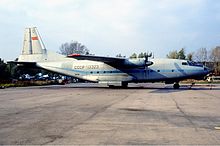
(176, 86)
(111, 86)
(124, 85)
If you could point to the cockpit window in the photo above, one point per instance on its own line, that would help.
(191, 63)
(184, 63)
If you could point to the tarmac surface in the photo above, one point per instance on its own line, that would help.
(93, 114)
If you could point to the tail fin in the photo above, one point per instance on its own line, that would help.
(33, 43)
(33, 48)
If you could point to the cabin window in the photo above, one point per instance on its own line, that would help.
(91, 72)
(172, 70)
(158, 70)
(104, 71)
(110, 71)
(184, 63)
(97, 72)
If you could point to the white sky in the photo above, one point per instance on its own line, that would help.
(110, 27)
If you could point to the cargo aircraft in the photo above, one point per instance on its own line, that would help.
(111, 71)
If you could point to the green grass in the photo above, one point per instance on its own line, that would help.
(7, 85)
(199, 82)
(25, 83)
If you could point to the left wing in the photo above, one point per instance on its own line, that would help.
(107, 60)
(114, 61)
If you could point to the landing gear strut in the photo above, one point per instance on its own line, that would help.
(176, 85)
(121, 85)
(124, 84)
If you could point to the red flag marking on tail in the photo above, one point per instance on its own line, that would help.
(34, 38)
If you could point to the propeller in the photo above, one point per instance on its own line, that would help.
(148, 63)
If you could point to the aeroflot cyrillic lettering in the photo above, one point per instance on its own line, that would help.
(79, 67)
(86, 67)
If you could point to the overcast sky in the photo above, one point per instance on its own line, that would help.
(110, 27)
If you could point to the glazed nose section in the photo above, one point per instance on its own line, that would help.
(207, 70)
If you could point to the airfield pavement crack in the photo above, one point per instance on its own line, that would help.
(109, 139)
(185, 115)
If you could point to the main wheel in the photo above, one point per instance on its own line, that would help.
(176, 86)
(124, 85)
(111, 86)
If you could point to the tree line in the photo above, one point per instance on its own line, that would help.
(208, 57)
(4, 70)
(12, 71)
(200, 55)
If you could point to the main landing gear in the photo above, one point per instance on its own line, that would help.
(124, 85)
(176, 85)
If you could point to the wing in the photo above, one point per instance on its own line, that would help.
(113, 61)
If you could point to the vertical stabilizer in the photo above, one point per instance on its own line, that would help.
(34, 50)
(27, 47)
(32, 42)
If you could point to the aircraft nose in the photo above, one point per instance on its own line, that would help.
(208, 70)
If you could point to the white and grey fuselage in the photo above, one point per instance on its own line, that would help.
(160, 70)
(133, 70)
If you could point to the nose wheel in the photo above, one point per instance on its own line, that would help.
(176, 85)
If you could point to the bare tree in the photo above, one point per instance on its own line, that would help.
(201, 55)
(73, 48)
(215, 54)
(173, 55)
(190, 56)
(215, 58)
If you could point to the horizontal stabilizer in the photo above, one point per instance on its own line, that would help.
(21, 63)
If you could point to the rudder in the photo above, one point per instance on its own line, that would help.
(33, 43)
(34, 50)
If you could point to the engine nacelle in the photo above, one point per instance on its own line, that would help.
(139, 62)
